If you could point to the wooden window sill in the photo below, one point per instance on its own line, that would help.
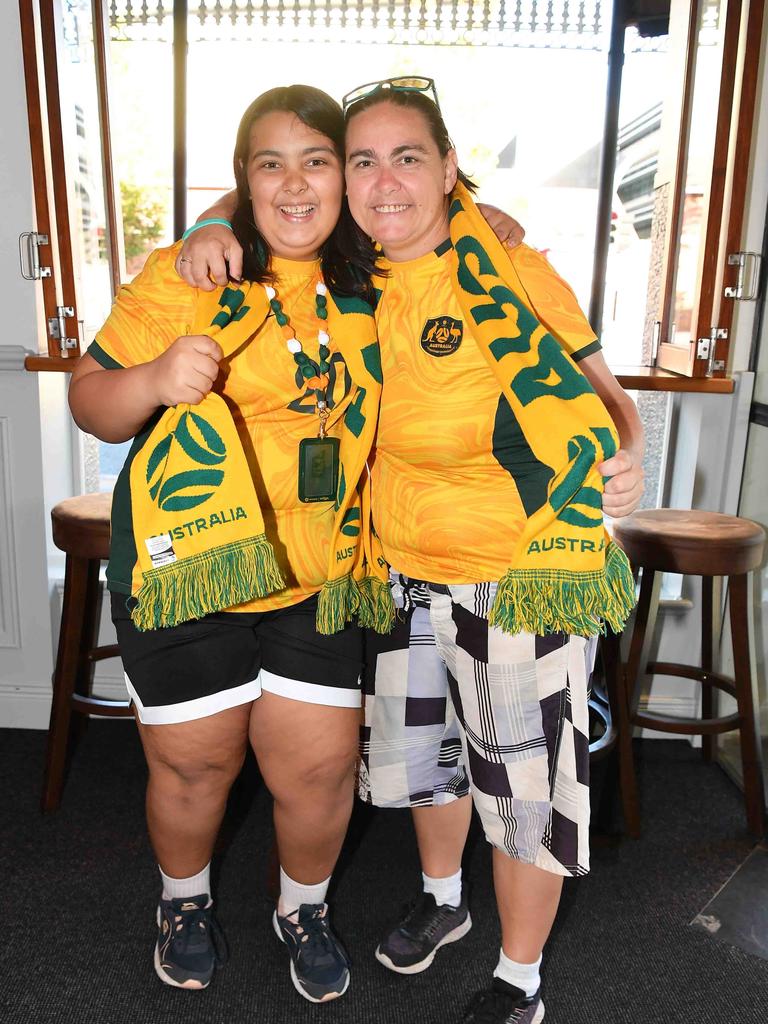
(651, 378)
(41, 364)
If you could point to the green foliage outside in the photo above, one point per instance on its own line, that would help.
(144, 213)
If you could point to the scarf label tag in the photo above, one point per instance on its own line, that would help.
(318, 468)
(160, 550)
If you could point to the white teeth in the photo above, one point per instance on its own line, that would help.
(297, 211)
(392, 208)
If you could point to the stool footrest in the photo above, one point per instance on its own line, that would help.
(604, 743)
(102, 653)
(97, 706)
(687, 726)
(700, 675)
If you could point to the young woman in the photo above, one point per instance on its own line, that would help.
(257, 673)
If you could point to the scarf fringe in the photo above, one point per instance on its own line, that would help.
(211, 581)
(377, 609)
(370, 599)
(337, 602)
(546, 601)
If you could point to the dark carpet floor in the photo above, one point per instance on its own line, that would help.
(78, 914)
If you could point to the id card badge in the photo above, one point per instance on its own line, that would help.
(318, 468)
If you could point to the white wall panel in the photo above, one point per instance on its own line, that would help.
(26, 656)
(10, 632)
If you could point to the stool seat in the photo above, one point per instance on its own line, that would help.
(81, 525)
(689, 541)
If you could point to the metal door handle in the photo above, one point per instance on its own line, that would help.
(29, 245)
(739, 259)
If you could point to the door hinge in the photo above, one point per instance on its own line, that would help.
(57, 328)
(705, 349)
(739, 259)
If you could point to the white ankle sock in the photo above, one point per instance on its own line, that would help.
(195, 885)
(293, 894)
(522, 976)
(447, 891)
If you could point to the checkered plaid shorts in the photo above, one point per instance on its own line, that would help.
(454, 706)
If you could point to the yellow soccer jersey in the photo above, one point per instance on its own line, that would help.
(442, 485)
(269, 404)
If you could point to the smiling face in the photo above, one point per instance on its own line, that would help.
(295, 179)
(397, 181)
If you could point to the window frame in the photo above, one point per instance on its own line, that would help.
(41, 22)
(712, 312)
(39, 47)
(40, 32)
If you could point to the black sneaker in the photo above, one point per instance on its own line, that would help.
(504, 1004)
(319, 965)
(189, 942)
(411, 946)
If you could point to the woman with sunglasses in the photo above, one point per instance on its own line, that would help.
(491, 447)
(459, 702)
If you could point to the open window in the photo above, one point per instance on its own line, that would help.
(679, 188)
(46, 252)
(701, 184)
(77, 249)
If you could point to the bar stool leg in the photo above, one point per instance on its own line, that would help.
(65, 673)
(617, 699)
(88, 638)
(642, 634)
(746, 695)
(707, 692)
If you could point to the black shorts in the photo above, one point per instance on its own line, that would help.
(226, 659)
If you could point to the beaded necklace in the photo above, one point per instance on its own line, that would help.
(318, 456)
(314, 373)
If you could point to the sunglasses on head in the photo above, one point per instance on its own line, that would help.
(405, 83)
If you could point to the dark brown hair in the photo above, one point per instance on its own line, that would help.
(346, 259)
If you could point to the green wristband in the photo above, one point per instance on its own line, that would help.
(204, 224)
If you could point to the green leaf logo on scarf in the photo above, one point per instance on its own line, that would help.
(187, 489)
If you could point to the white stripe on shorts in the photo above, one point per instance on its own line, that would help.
(310, 693)
(200, 707)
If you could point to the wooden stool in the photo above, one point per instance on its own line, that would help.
(81, 529)
(709, 545)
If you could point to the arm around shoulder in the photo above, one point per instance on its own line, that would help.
(212, 255)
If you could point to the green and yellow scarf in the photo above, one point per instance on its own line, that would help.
(565, 574)
(192, 468)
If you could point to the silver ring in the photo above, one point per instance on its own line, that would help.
(185, 259)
